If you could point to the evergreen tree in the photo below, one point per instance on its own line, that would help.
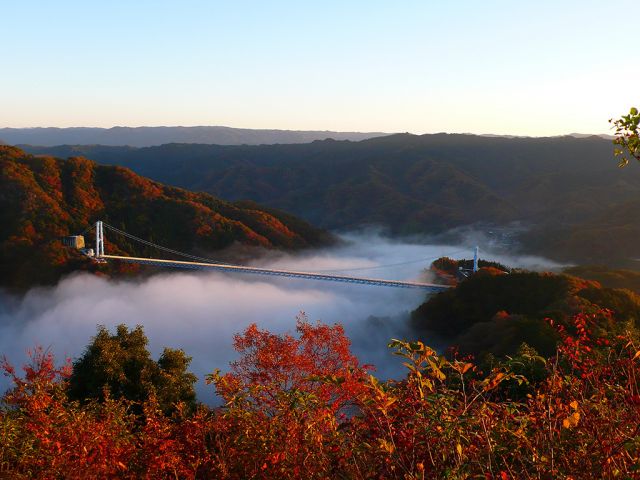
(121, 365)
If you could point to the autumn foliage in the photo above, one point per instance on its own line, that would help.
(303, 407)
(43, 199)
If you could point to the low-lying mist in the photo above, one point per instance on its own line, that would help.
(201, 311)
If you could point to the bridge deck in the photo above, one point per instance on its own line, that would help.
(280, 273)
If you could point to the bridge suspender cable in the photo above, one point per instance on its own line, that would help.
(208, 264)
(160, 247)
(334, 270)
(408, 262)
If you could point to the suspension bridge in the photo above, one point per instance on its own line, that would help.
(199, 263)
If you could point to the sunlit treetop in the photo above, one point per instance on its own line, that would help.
(627, 137)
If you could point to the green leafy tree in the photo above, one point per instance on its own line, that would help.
(121, 365)
(627, 137)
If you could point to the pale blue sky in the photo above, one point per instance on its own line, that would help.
(512, 67)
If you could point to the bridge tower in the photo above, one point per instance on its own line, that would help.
(99, 240)
(476, 251)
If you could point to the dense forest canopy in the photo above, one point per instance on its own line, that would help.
(494, 313)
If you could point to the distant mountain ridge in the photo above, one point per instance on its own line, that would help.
(44, 198)
(208, 135)
(582, 207)
(152, 136)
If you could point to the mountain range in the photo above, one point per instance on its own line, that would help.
(574, 204)
(43, 199)
(149, 136)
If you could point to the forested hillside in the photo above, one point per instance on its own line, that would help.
(493, 313)
(567, 191)
(45, 198)
(629, 279)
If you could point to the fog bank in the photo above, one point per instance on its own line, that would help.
(201, 311)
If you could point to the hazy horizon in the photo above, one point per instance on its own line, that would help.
(268, 129)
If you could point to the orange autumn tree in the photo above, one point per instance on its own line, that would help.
(286, 399)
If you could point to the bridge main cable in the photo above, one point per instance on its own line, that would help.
(160, 247)
(208, 264)
(279, 273)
